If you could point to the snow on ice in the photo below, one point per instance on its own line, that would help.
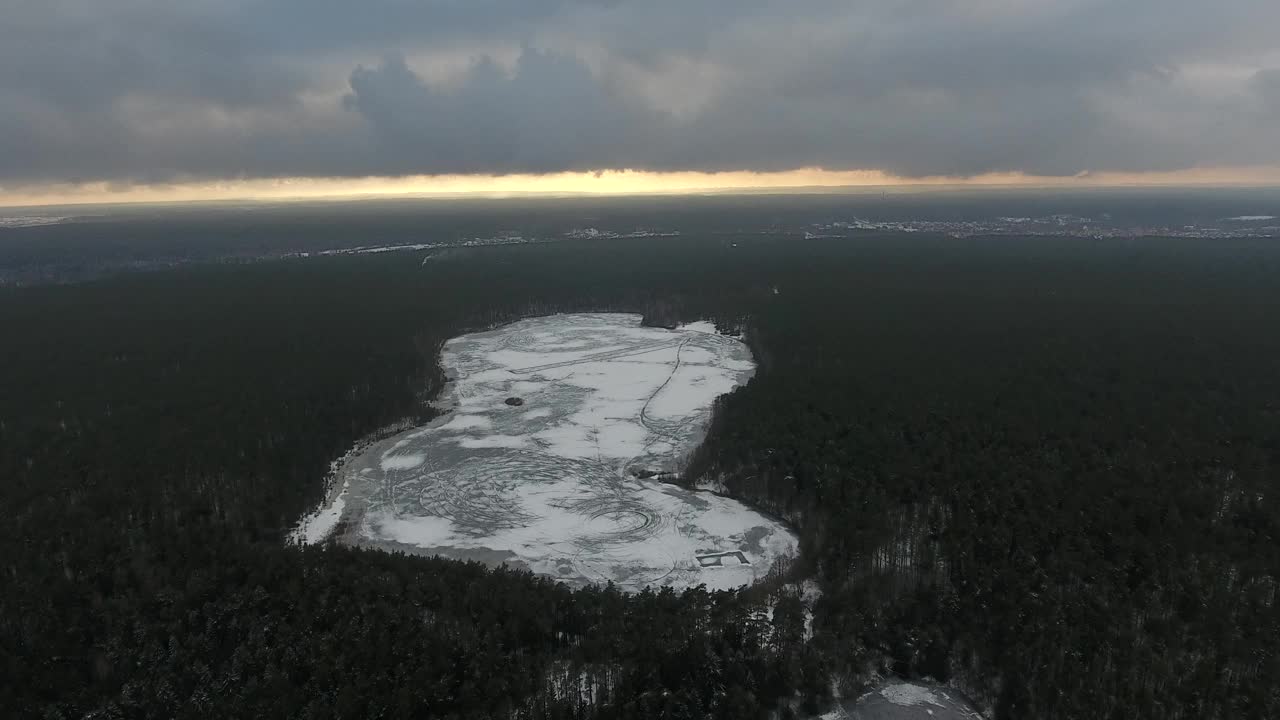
(899, 700)
(554, 484)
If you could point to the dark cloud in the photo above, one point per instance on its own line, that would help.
(147, 90)
(548, 114)
(1267, 84)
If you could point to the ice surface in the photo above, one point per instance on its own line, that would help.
(494, 441)
(402, 462)
(468, 422)
(552, 485)
(898, 700)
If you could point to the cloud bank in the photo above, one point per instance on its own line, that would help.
(147, 91)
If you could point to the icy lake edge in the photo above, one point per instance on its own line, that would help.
(739, 536)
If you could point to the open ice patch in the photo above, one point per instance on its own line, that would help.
(556, 426)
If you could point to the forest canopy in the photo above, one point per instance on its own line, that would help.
(1043, 471)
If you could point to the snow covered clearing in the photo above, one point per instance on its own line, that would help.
(318, 525)
(898, 700)
(908, 694)
(552, 483)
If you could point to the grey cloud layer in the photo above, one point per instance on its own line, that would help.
(146, 90)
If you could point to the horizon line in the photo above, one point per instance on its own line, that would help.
(609, 183)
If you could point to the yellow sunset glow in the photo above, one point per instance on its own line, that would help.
(610, 182)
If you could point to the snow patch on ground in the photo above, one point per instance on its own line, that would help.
(810, 593)
(702, 326)
(318, 525)
(552, 485)
(900, 700)
(906, 694)
(712, 483)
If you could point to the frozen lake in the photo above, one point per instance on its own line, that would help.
(554, 424)
(901, 700)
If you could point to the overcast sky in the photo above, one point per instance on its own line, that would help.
(159, 90)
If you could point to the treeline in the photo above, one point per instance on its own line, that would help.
(1040, 470)
(1046, 473)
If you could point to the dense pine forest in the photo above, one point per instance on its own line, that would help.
(1043, 471)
